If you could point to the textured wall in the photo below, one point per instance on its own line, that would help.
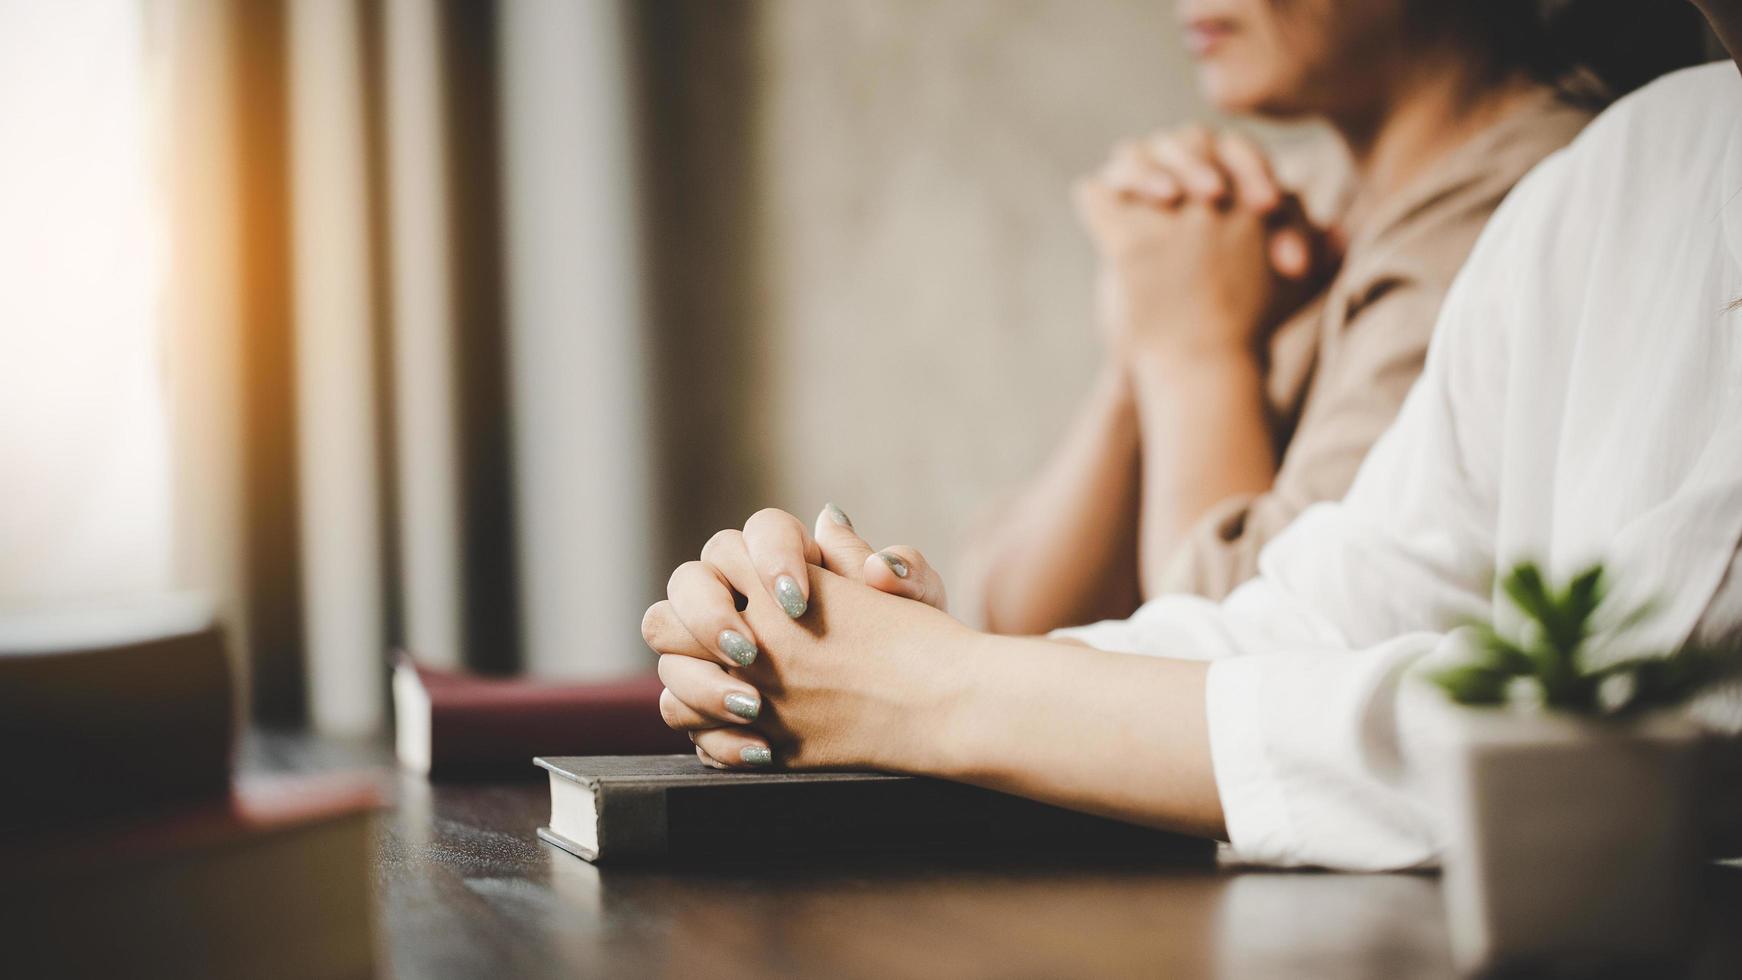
(875, 289)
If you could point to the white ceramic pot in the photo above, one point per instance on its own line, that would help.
(1570, 842)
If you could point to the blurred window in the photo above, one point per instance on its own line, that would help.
(84, 486)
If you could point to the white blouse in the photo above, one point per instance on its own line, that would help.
(1582, 401)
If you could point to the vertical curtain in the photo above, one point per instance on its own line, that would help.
(84, 475)
(576, 336)
(406, 338)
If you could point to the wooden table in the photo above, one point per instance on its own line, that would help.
(466, 890)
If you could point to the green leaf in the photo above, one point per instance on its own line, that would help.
(1472, 684)
(1584, 593)
(1524, 585)
(1550, 651)
(1501, 654)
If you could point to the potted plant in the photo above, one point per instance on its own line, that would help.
(1569, 791)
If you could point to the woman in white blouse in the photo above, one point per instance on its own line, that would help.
(1582, 400)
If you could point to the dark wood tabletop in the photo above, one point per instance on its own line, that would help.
(465, 889)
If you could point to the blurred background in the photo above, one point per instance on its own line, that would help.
(456, 324)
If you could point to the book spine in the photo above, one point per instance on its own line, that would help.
(721, 820)
(633, 822)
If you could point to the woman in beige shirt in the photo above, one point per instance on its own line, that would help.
(1253, 353)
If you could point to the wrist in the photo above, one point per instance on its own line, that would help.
(943, 707)
(1162, 359)
(1114, 389)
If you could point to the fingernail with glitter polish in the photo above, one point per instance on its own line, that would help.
(757, 755)
(838, 515)
(738, 646)
(745, 706)
(895, 564)
(790, 598)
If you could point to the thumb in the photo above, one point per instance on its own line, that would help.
(844, 552)
(1298, 250)
(903, 571)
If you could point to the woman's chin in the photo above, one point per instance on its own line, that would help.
(1241, 95)
(1232, 91)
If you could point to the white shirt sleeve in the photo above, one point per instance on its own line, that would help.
(1303, 698)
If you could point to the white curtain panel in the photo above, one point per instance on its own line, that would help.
(575, 338)
(84, 457)
(338, 457)
(423, 326)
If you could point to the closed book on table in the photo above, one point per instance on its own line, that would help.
(129, 848)
(453, 725)
(674, 809)
(123, 707)
(272, 880)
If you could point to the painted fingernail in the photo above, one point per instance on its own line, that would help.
(895, 564)
(756, 755)
(838, 515)
(745, 706)
(738, 646)
(790, 598)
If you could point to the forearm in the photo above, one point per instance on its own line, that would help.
(1205, 437)
(1114, 734)
(1065, 551)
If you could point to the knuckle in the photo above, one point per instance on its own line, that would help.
(654, 619)
(723, 547)
(770, 518)
(1235, 141)
(668, 711)
(1129, 156)
(708, 740)
(1195, 134)
(723, 542)
(1095, 199)
(668, 667)
(678, 574)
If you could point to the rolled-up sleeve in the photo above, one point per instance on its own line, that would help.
(1309, 758)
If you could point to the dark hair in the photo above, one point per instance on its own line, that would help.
(1599, 49)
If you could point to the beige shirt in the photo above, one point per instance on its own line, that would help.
(1340, 366)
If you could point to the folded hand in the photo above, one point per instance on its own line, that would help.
(728, 682)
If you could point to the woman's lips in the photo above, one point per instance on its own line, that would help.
(1204, 35)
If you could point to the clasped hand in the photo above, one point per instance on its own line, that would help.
(806, 650)
(1202, 250)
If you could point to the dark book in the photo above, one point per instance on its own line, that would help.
(112, 709)
(271, 880)
(452, 725)
(623, 809)
(128, 848)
